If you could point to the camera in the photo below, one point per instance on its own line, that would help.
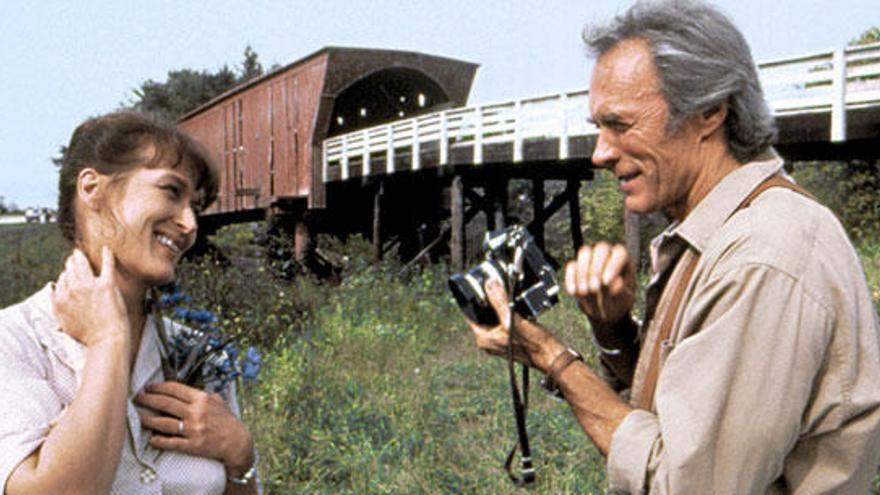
(512, 256)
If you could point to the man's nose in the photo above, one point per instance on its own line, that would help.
(605, 154)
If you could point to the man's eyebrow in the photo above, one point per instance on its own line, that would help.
(610, 118)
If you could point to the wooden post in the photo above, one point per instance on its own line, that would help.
(302, 238)
(838, 98)
(574, 213)
(377, 222)
(457, 235)
(498, 192)
(538, 212)
(632, 234)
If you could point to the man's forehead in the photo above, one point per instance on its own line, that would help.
(624, 73)
(630, 62)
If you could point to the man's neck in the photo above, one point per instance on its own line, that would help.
(717, 164)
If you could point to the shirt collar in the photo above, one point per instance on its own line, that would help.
(73, 354)
(723, 200)
(49, 334)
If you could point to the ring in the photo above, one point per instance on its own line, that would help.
(180, 429)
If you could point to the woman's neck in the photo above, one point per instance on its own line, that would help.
(134, 293)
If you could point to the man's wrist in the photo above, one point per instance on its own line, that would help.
(614, 336)
(547, 353)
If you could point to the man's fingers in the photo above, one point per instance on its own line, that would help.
(570, 277)
(497, 297)
(582, 273)
(617, 265)
(598, 261)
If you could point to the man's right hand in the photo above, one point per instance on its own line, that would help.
(602, 281)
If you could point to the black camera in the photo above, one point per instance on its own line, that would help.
(513, 257)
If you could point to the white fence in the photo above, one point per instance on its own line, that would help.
(825, 82)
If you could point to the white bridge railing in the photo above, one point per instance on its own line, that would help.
(824, 82)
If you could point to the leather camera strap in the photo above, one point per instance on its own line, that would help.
(646, 399)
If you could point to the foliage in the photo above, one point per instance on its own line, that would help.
(871, 35)
(186, 89)
(851, 190)
(371, 383)
(31, 255)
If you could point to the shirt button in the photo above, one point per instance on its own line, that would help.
(148, 475)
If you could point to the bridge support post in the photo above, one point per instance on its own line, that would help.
(574, 213)
(377, 222)
(538, 214)
(302, 239)
(632, 234)
(457, 221)
(497, 191)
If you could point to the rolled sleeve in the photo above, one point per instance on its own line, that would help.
(631, 448)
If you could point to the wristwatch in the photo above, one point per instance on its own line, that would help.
(247, 476)
(560, 362)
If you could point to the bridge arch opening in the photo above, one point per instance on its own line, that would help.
(384, 96)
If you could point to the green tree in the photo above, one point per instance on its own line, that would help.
(872, 35)
(186, 89)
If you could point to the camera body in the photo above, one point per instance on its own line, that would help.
(512, 256)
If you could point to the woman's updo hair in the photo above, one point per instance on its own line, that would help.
(115, 143)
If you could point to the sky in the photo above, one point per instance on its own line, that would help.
(62, 61)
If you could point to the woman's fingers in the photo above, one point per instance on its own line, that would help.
(164, 424)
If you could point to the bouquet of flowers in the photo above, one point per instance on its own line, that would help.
(193, 350)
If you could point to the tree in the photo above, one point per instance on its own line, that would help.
(186, 89)
(872, 35)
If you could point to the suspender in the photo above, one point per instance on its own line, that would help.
(646, 398)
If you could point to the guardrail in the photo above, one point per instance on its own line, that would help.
(829, 81)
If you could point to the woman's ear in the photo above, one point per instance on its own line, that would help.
(89, 184)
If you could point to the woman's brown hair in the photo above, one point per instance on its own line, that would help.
(114, 144)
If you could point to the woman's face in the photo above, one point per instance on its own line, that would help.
(151, 222)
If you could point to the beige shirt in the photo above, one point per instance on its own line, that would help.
(770, 380)
(40, 371)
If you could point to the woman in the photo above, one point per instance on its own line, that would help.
(84, 407)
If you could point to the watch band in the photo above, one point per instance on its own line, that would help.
(560, 362)
(247, 476)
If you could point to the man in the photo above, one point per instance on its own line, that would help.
(757, 367)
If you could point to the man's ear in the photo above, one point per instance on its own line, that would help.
(89, 184)
(712, 119)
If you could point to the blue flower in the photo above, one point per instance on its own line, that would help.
(196, 354)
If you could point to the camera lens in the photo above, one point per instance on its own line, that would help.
(467, 288)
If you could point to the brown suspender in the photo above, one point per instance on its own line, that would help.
(646, 398)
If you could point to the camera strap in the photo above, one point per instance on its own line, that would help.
(520, 406)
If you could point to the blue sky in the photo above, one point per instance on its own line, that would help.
(63, 61)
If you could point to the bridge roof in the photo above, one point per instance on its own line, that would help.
(327, 50)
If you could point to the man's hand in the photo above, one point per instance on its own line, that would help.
(90, 308)
(602, 281)
(533, 344)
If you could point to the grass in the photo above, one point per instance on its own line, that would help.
(370, 384)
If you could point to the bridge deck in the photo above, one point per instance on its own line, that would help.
(826, 97)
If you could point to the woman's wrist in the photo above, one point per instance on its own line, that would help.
(243, 457)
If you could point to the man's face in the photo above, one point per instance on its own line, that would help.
(655, 171)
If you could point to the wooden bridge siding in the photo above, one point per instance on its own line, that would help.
(265, 136)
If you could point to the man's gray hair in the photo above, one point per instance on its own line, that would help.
(703, 61)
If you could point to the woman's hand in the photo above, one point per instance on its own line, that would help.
(209, 428)
(90, 308)
(533, 344)
(602, 281)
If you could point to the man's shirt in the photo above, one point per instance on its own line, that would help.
(770, 379)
